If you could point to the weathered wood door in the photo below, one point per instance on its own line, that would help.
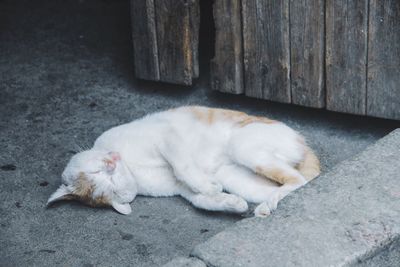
(335, 54)
(280, 55)
(346, 55)
(342, 55)
(165, 39)
(363, 57)
(383, 73)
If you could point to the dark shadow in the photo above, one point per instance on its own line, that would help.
(303, 114)
(72, 29)
(206, 39)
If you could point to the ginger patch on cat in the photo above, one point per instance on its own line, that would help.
(277, 175)
(254, 119)
(84, 189)
(212, 115)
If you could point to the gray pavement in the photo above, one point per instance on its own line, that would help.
(66, 76)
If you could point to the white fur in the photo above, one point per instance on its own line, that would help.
(174, 153)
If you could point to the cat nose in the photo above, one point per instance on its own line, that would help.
(114, 156)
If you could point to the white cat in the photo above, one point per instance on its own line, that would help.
(195, 152)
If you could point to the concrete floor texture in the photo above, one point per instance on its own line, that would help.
(66, 75)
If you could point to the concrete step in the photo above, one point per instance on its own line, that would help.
(185, 262)
(349, 216)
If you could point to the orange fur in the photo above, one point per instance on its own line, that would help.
(211, 115)
(277, 175)
(83, 190)
(310, 166)
(253, 119)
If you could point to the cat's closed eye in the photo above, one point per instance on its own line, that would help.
(94, 172)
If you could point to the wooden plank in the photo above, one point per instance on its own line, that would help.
(346, 55)
(174, 41)
(307, 29)
(266, 49)
(194, 16)
(384, 59)
(227, 65)
(144, 40)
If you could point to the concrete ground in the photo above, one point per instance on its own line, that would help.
(66, 76)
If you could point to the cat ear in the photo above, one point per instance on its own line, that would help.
(62, 193)
(124, 208)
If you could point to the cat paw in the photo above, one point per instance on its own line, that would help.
(273, 200)
(262, 210)
(236, 204)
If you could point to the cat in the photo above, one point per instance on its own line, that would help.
(217, 159)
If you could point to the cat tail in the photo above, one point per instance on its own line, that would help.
(309, 167)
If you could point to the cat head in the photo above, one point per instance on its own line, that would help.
(97, 178)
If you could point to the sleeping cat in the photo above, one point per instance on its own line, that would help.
(217, 159)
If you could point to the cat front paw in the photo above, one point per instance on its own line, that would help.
(262, 210)
(236, 204)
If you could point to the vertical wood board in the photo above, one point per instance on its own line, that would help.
(384, 59)
(144, 40)
(174, 41)
(346, 55)
(266, 49)
(194, 16)
(227, 65)
(307, 44)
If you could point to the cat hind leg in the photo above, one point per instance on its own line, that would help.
(262, 210)
(216, 202)
(266, 165)
(254, 188)
(289, 178)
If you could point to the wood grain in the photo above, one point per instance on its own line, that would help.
(266, 49)
(227, 65)
(307, 41)
(194, 16)
(346, 55)
(174, 41)
(384, 59)
(144, 40)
